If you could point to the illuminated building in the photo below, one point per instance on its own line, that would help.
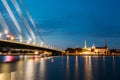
(100, 50)
(95, 50)
(88, 50)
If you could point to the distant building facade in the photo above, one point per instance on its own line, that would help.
(100, 50)
(89, 50)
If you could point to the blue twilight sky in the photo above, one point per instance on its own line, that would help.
(67, 23)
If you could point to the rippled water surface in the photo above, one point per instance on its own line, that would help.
(62, 68)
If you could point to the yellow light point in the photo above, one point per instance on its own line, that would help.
(28, 42)
(12, 38)
(89, 49)
(36, 52)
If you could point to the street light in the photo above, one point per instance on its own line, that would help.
(10, 37)
(6, 32)
(29, 40)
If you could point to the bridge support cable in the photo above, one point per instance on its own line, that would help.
(19, 11)
(4, 24)
(13, 18)
(32, 21)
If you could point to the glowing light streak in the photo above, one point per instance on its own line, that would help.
(0, 35)
(17, 7)
(11, 15)
(32, 21)
(3, 24)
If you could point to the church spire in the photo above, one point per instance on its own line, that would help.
(85, 45)
(93, 46)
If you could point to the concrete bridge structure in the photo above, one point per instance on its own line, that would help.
(18, 31)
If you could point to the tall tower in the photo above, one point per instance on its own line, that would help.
(85, 45)
(93, 46)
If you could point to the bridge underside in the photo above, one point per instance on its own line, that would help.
(14, 45)
(18, 27)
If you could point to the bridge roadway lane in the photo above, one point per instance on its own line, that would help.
(18, 45)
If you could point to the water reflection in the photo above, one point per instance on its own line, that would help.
(5, 72)
(42, 69)
(36, 68)
(67, 69)
(19, 70)
(104, 65)
(88, 68)
(62, 68)
(9, 58)
(113, 63)
(76, 68)
(29, 70)
(9, 71)
(52, 60)
(5, 76)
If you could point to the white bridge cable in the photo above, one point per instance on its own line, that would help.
(32, 21)
(3, 24)
(19, 11)
(11, 15)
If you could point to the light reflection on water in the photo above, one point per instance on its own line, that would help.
(67, 69)
(76, 68)
(62, 68)
(29, 70)
(88, 68)
(42, 69)
(10, 71)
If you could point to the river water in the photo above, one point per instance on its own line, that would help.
(62, 68)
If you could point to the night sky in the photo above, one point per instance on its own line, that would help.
(67, 23)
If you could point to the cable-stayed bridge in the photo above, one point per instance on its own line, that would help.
(18, 31)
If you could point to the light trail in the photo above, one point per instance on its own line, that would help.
(11, 15)
(17, 7)
(32, 21)
(4, 24)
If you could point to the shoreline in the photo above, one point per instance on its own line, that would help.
(72, 54)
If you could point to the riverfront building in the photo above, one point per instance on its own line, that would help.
(95, 50)
(89, 50)
(100, 50)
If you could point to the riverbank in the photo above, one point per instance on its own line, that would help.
(73, 54)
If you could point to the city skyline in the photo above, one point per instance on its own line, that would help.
(59, 40)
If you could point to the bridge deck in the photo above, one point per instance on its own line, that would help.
(18, 45)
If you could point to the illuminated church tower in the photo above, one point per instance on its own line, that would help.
(85, 45)
(93, 46)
